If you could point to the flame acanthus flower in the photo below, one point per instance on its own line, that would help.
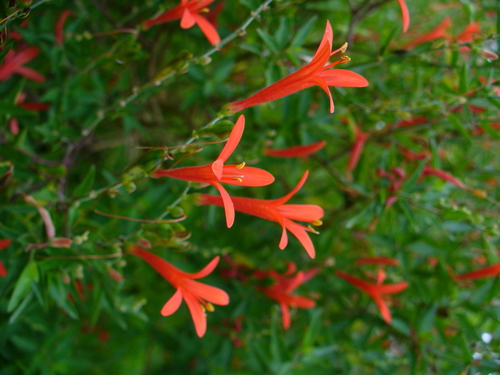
(282, 288)
(316, 73)
(188, 11)
(376, 291)
(194, 293)
(276, 210)
(217, 172)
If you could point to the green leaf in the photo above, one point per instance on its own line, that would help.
(268, 40)
(282, 34)
(84, 188)
(300, 36)
(459, 126)
(30, 274)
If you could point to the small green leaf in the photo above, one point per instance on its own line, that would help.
(459, 126)
(30, 274)
(300, 36)
(268, 40)
(282, 34)
(86, 185)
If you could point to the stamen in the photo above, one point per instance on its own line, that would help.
(238, 179)
(316, 222)
(209, 307)
(240, 166)
(311, 229)
(345, 59)
(344, 47)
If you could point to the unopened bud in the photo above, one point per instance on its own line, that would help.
(60, 242)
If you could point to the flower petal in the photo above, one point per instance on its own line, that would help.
(234, 139)
(187, 19)
(284, 239)
(295, 151)
(384, 310)
(172, 304)
(488, 271)
(301, 212)
(228, 204)
(207, 270)
(3, 271)
(249, 176)
(285, 314)
(342, 78)
(208, 29)
(300, 233)
(207, 292)
(287, 197)
(199, 318)
(4, 243)
(405, 14)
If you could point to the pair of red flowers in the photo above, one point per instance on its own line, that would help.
(274, 210)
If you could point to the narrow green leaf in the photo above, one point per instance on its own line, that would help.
(300, 36)
(86, 185)
(459, 126)
(282, 34)
(413, 178)
(268, 40)
(23, 285)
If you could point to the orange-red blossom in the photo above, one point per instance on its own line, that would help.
(376, 291)
(217, 172)
(282, 288)
(188, 11)
(316, 73)
(276, 210)
(14, 63)
(489, 271)
(194, 293)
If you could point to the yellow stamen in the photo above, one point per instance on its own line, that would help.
(317, 222)
(240, 166)
(345, 59)
(204, 10)
(209, 307)
(312, 229)
(238, 179)
(344, 47)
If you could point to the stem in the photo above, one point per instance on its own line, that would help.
(176, 202)
(239, 31)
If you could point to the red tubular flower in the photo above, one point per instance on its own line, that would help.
(217, 172)
(14, 61)
(194, 293)
(412, 122)
(405, 14)
(3, 245)
(356, 150)
(468, 34)
(480, 273)
(295, 151)
(188, 12)
(445, 176)
(376, 291)
(436, 33)
(282, 288)
(276, 210)
(316, 73)
(59, 28)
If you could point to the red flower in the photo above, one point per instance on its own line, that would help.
(59, 28)
(445, 176)
(188, 12)
(277, 210)
(489, 271)
(356, 150)
(14, 61)
(3, 245)
(282, 288)
(436, 33)
(316, 73)
(376, 291)
(295, 151)
(194, 293)
(217, 172)
(405, 14)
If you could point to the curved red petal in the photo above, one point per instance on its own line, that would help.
(300, 233)
(187, 19)
(199, 318)
(207, 292)
(287, 197)
(488, 271)
(208, 29)
(246, 176)
(301, 212)
(228, 204)
(285, 314)
(172, 304)
(405, 15)
(4, 243)
(342, 78)
(207, 270)
(233, 140)
(295, 151)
